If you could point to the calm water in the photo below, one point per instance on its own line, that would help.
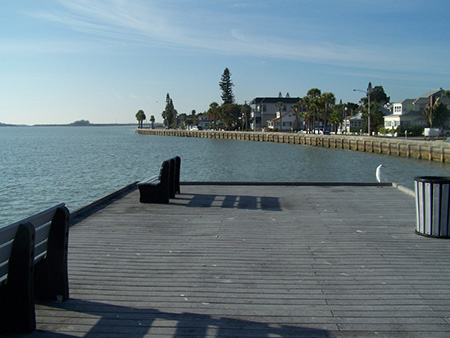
(43, 166)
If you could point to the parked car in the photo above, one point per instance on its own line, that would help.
(320, 131)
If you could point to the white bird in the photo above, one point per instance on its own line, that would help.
(378, 172)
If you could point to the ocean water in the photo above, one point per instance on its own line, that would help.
(44, 166)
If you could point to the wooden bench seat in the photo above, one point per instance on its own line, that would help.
(33, 264)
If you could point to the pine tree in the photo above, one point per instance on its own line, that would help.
(170, 113)
(227, 87)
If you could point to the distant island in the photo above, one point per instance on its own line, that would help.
(83, 123)
(79, 123)
(8, 125)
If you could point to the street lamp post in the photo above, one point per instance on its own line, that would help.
(368, 103)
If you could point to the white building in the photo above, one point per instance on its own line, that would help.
(203, 121)
(286, 118)
(408, 113)
(356, 123)
(344, 127)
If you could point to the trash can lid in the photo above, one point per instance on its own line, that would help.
(433, 179)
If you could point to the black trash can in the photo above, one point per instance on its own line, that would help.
(432, 206)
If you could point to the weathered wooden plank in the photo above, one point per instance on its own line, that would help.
(255, 261)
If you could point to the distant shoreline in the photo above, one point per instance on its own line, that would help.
(86, 125)
(70, 125)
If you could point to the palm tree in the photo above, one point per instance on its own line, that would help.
(327, 102)
(314, 94)
(140, 117)
(279, 104)
(152, 120)
(314, 108)
(297, 108)
(436, 113)
(245, 113)
(213, 112)
(307, 115)
(194, 117)
(336, 118)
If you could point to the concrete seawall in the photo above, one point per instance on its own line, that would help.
(427, 150)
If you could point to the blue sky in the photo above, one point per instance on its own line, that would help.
(102, 61)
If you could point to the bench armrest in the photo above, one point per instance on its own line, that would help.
(151, 180)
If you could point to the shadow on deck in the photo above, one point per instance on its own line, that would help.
(230, 201)
(138, 322)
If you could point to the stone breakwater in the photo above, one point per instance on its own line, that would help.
(419, 149)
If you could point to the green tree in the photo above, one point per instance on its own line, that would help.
(446, 93)
(377, 117)
(336, 117)
(378, 98)
(297, 110)
(306, 113)
(194, 117)
(230, 113)
(436, 113)
(350, 109)
(327, 101)
(213, 113)
(377, 95)
(226, 85)
(279, 104)
(152, 120)
(182, 117)
(140, 117)
(314, 105)
(245, 113)
(170, 113)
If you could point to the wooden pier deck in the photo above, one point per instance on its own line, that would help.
(255, 261)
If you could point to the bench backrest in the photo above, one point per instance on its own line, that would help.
(41, 223)
(172, 174)
(177, 173)
(164, 173)
(7, 235)
(33, 263)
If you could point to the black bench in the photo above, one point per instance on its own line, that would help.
(160, 188)
(33, 265)
(177, 174)
(175, 164)
(156, 189)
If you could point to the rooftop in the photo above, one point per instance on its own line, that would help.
(255, 261)
(285, 100)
